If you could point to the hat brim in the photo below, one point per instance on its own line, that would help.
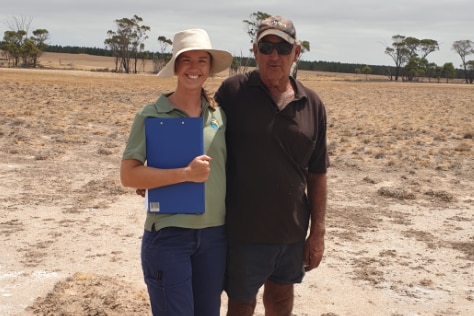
(278, 33)
(221, 60)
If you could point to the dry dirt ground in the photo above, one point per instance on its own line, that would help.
(400, 238)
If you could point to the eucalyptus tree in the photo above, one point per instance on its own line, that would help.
(416, 67)
(470, 70)
(19, 23)
(404, 48)
(160, 59)
(38, 41)
(251, 26)
(253, 22)
(431, 71)
(305, 47)
(427, 46)
(164, 44)
(127, 42)
(448, 71)
(11, 45)
(464, 48)
(19, 47)
(399, 53)
(366, 70)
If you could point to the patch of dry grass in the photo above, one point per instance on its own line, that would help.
(402, 157)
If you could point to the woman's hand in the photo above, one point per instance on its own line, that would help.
(198, 169)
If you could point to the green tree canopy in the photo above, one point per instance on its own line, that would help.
(404, 48)
(19, 48)
(464, 48)
(448, 71)
(253, 22)
(127, 42)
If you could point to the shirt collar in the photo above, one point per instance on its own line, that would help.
(163, 105)
(300, 93)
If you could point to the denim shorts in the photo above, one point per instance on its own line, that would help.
(250, 265)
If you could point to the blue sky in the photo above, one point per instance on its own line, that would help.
(345, 31)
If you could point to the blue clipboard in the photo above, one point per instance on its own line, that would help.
(173, 143)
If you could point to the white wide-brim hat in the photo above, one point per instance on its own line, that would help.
(196, 39)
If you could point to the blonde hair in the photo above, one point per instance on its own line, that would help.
(209, 99)
(205, 93)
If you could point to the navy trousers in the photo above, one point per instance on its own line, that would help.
(184, 270)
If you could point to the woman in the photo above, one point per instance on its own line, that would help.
(183, 255)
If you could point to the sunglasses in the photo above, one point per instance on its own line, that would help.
(283, 48)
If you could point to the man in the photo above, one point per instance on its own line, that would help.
(276, 140)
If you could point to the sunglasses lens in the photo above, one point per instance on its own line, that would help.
(265, 48)
(283, 48)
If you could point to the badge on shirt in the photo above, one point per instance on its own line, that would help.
(214, 124)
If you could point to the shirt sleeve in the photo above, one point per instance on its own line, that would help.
(136, 145)
(319, 161)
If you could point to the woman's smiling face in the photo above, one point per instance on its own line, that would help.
(193, 67)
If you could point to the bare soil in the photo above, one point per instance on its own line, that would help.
(400, 238)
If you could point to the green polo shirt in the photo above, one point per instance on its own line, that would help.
(214, 146)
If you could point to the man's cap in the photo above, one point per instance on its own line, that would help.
(279, 26)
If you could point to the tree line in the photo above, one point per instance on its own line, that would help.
(126, 44)
(410, 57)
(19, 48)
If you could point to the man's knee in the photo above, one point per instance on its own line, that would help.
(235, 308)
(278, 299)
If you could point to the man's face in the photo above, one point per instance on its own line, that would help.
(275, 57)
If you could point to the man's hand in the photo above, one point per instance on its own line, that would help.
(313, 252)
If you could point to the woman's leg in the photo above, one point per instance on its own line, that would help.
(167, 270)
(208, 271)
